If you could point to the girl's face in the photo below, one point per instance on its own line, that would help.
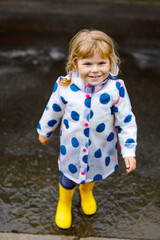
(93, 70)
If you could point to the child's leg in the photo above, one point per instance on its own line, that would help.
(67, 183)
(63, 216)
(88, 203)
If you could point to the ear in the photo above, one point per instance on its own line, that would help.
(75, 65)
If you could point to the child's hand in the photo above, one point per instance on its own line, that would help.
(130, 163)
(43, 140)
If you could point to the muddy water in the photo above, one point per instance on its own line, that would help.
(128, 205)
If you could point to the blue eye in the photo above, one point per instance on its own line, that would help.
(87, 64)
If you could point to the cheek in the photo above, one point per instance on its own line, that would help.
(82, 74)
(83, 71)
(107, 69)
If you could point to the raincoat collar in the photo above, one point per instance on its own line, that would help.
(83, 86)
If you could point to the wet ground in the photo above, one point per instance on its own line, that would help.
(33, 46)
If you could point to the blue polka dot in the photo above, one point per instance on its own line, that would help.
(72, 168)
(118, 85)
(104, 98)
(128, 143)
(56, 107)
(121, 92)
(66, 123)
(89, 116)
(116, 145)
(51, 123)
(130, 140)
(85, 158)
(63, 100)
(83, 182)
(55, 87)
(110, 137)
(116, 167)
(49, 134)
(47, 108)
(97, 177)
(100, 127)
(107, 161)
(74, 115)
(98, 153)
(128, 118)
(39, 126)
(63, 150)
(86, 132)
(88, 168)
(119, 129)
(74, 88)
(88, 143)
(114, 109)
(61, 172)
(87, 102)
(75, 142)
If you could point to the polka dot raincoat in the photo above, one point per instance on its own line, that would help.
(92, 118)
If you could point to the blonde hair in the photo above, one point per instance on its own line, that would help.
(85, 44)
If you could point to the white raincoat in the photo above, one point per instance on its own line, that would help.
(92, 117)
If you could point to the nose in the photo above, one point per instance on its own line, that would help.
(95, 68)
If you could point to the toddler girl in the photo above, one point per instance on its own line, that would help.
(94, 108)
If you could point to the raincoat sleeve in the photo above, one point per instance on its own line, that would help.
(52, 114)
(125, 122)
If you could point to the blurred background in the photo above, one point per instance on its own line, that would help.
(34, 38)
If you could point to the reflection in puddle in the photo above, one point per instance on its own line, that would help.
(145, 57)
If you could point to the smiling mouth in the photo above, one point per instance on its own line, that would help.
(93, 77)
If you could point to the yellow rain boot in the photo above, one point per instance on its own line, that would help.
(63, 218)
(88, 203)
